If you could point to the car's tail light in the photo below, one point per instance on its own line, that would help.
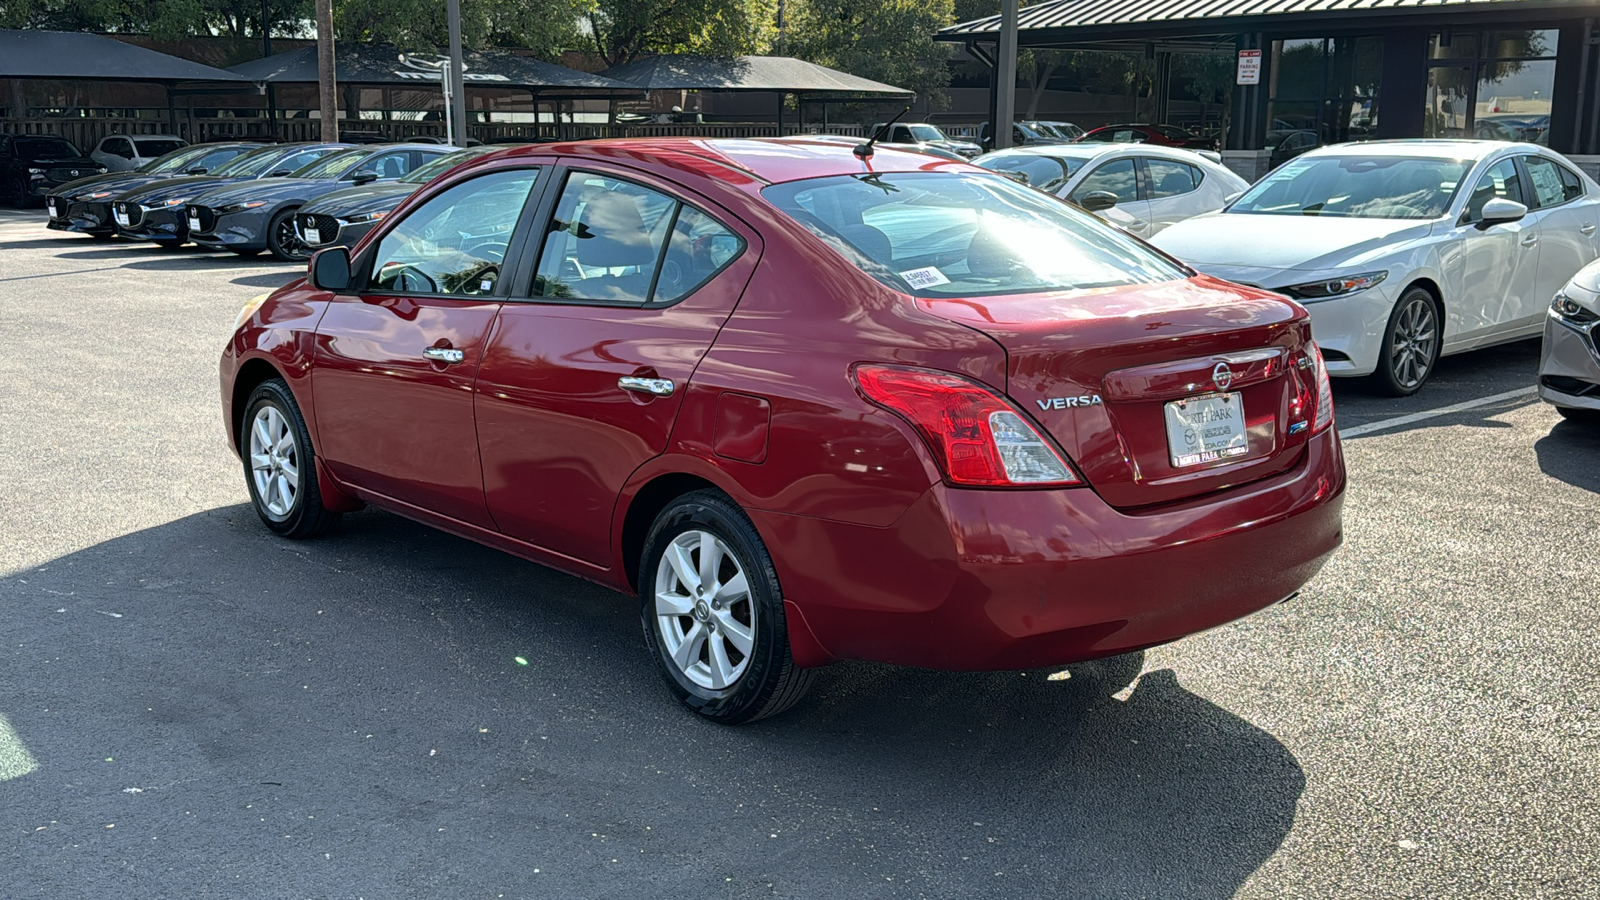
(1324, 416)
(978, 437)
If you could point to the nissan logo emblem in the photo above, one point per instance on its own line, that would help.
(1222, 375)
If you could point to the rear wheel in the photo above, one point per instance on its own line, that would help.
(17, 195)
(284, 241)
(280, 466)
(713, 614)
(1411, 345)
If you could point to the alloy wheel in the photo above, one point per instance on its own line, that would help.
(704, 610)
(274, 461)
(289, 240)
(1414, 342)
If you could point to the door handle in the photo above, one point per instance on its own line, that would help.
(443, 354)
(1587, 228)
(659, 387)
(1530, 240)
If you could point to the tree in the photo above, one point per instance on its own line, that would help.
(546, 27)
(889, 41)
(621, 31)
(162, 19)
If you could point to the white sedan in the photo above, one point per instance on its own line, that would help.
(1140, 187)
(1405, 251)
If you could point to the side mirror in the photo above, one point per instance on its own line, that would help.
(1098, 201)
(197, 170)
(1500, 211)
(330, 269)
(365, 178)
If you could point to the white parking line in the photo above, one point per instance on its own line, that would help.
(1397, 421)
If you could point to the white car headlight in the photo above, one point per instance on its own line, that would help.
(1334, 287)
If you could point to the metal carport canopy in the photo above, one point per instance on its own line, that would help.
(773, 74)
(1080, 20)
(73, 54)
(369, 64)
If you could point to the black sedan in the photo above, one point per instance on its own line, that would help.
(343, 217)
(33, 165)
(84, 205)
(154, 211)
(259, 215)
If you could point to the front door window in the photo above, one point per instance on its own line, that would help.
(456, 242)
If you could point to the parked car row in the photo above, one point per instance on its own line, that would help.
(238, 197)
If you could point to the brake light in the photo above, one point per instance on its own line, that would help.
(978, 437)
(1324, 391)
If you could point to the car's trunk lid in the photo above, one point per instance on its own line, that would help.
(1098, 368)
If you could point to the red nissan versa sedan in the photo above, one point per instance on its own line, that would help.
(809, 406)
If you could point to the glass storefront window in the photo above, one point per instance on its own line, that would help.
(1322, 91)
(1495, 86)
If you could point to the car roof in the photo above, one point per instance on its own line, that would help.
(1439, 148)
(1091, 150)
(740, 160)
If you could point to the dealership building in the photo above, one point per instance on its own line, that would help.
(1315, 72)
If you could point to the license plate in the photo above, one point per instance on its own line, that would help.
(194, 223)
(313, 236)
(121, 217)
(1206, 429)
(55, 211)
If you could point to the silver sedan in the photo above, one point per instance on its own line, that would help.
(1140, 187)
(1569, 367)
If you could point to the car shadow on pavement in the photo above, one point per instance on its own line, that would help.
(1569, 453)
(423, 704)
(270, 280)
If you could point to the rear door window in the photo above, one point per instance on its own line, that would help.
(1551, 183)
(614, 241)
(1167, 178)
(456, 242)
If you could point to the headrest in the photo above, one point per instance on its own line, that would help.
(611, 233)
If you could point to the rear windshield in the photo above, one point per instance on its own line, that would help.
(964, 234)
(158, 146)
(332, 166)
(46, 149)
(1043, 172)
(424, 174)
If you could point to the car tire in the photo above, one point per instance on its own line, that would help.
(1411, 343)
(724, 651)
(282, 241)
(18, 193)
(280, 465)
(1580, 416)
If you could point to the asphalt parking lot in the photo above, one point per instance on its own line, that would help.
(190, 707)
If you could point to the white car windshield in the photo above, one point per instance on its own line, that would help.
(950, 234)
(1357, 187)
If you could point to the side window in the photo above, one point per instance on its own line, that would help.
(1571, 185)
(297, 160)
(604, 241)
(1126, 136)
(455, 242)
(1544, 177)
(900, 135)
(1170, 179)
(1500, 181)
(121, 147)
(699, 248)
(211, 160)
(1116, 176)
(385, 166)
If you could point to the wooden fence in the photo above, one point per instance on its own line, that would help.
(86, 132)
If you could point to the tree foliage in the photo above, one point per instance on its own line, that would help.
(621, 31)
(545, 26)
(889, 41)
(165, 19)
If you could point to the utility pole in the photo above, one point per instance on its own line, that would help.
(266, 30)
(780, 28)
(325, 82)
(1005, 73)
(456, 71)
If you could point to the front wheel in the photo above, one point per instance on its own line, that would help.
(283, 241)
(713, 614)
(280, 466)
(1411, 345)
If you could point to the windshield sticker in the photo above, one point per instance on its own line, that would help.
(925, 277)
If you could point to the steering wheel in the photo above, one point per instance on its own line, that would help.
(408, 278)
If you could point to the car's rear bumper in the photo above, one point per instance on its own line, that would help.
(970, 579)
(1569, 367)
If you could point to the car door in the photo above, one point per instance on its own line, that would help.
(1490, 269)
(582, 380)
(1119, 176)
(1173, 191)
(396, 362)
(1566, 219)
